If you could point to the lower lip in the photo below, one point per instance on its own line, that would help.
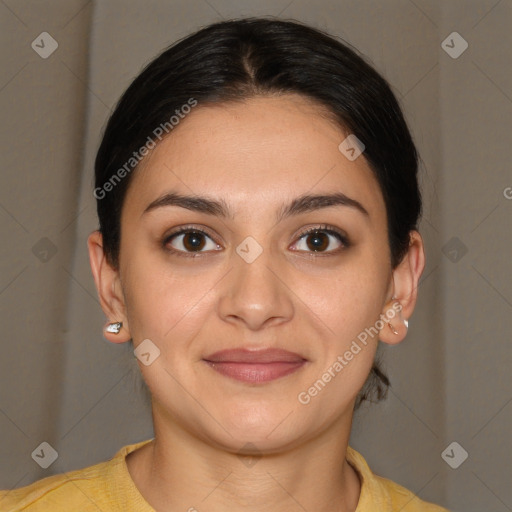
(256, 372)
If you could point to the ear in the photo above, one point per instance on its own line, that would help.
(109, 288)
(404, 292)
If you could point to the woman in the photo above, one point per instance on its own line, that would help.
(258, 204)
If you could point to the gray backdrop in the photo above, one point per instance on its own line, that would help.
(63, 384)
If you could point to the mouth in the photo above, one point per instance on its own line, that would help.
(255, 366)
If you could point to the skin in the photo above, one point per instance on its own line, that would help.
(256, 155)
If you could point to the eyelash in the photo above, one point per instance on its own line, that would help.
(324, 228)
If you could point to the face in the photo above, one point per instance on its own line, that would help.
(197, 282)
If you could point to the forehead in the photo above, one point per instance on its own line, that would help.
(255, 152)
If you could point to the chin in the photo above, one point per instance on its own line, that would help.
(261, 427)
(255, 442)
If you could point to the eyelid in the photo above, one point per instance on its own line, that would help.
(189, 228)
(324, 228)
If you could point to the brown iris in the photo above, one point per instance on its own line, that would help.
(320, 241)
(193, 241)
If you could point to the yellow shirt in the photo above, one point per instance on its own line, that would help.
(108, 487)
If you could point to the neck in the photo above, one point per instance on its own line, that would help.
(180, 472)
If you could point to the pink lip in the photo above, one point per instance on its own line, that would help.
(255, 366)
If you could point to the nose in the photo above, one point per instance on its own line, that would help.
(255, 293)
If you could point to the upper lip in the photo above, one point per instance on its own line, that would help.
(242, 355)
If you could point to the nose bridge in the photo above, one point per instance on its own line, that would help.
(255, 292)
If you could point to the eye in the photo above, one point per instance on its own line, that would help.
(191, 241)
(188, 241)
(322, 239)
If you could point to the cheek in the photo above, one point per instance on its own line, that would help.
(164, 302)
(350, 307)
(351, 298)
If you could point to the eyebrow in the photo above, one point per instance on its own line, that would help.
(302, 204)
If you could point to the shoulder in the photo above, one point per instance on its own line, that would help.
(97, 487)
(66, 491)
(404, 500)
(388, 495)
